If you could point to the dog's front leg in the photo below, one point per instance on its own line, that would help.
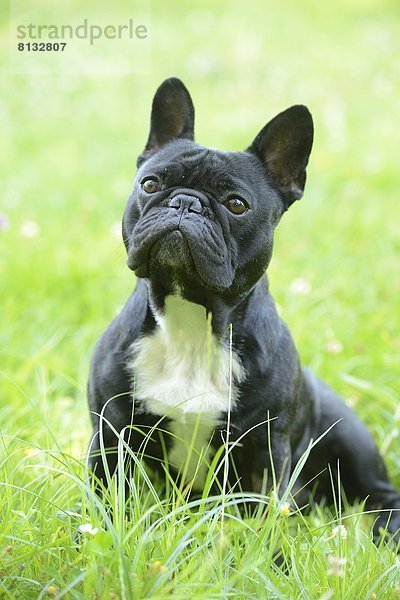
(278, 461)
(264, 461)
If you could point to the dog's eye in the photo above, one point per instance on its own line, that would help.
(237, 206)
(150, 185)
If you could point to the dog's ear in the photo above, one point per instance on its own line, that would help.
(172, 116)
(284, 146)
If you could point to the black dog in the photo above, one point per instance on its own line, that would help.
(200, 339)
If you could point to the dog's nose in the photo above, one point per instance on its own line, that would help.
(191, 203)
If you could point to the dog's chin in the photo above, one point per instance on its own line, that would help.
(172, 252)
(167, 254)
(169, 260)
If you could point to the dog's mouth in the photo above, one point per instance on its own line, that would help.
(171, 251)
(164, 247)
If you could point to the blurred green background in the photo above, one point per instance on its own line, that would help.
(70, 142)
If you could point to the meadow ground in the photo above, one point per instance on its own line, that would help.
(69, 148)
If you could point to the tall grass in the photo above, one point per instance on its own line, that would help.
(150, 538)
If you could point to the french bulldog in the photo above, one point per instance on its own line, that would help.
(198, 356)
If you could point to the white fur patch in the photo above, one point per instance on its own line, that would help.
(182, 366)
(183, 372)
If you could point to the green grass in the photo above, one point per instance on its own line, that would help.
(68, 165)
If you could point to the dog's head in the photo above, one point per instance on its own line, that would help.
(204, 219)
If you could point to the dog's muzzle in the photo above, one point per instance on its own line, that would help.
(182, 233)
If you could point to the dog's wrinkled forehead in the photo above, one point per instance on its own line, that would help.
(184, 163)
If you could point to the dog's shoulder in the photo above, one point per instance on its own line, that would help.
(112, 350)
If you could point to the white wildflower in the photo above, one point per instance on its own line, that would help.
(334, 346)
(284, 509)
(336, 564)
(340, 531)
(29, 229)
(115, 230)
(300, 286)
(87, 528)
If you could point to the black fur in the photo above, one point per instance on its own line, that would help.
(219, 261)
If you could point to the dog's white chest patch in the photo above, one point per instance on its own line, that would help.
(183, 372)
(181, 368)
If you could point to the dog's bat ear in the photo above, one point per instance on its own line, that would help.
(284, 146)
(172, 116)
